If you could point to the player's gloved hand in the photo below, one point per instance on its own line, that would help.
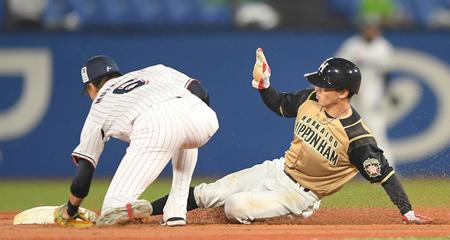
(412, 218)
(261, 71)
(79, 220)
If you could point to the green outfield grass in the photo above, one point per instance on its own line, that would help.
(18, 195)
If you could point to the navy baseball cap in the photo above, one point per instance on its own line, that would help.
(98, 66)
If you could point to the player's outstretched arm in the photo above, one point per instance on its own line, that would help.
(69, 214)
(373, 166)
(398, 196)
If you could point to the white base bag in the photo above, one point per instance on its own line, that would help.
(44, 215)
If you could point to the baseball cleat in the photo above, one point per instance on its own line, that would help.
(174, 221)
(131, 212)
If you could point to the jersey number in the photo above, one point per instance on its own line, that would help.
(129, 85)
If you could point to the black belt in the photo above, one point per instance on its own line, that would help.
(295, 181)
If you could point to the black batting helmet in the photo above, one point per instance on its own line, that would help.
(98, 66)
(336, 73)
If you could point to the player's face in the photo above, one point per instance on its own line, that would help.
(327, 97)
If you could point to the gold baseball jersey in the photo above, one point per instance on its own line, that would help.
(325, 153)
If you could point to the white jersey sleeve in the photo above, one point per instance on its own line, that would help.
(92, 141)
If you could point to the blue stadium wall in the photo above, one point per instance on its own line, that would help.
(42, 109)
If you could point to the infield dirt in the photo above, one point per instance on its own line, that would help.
(327, 223)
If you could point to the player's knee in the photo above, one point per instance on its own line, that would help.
(236, 211)
(209, 195)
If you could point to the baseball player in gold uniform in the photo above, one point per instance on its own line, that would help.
(331, 145)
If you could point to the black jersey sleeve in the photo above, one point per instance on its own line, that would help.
(284, 104)
(82, 181)
(397, 194)
(369, 160)
(365, 155)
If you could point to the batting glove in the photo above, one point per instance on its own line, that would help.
(79, 220)
(412, 218)
(261, 71)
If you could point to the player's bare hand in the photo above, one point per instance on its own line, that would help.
(412, 218)
(261, 71)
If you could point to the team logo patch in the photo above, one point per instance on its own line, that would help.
(372, 166)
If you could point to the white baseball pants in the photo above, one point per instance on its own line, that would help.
(170, 130)
(262, 191)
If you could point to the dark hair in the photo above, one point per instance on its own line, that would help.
(99, 82)
(349, 95)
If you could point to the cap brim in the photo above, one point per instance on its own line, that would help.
(315, 79)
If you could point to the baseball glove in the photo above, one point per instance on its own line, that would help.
(79, 220)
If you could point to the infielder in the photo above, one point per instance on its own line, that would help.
(331, 145)
(154, 110)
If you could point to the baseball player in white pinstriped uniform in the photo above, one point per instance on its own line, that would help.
(156, 111)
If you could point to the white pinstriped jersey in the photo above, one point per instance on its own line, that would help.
(121, 100)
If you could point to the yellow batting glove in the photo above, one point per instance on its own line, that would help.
(261, 71)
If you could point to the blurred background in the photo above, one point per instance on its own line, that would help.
(401, 46)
